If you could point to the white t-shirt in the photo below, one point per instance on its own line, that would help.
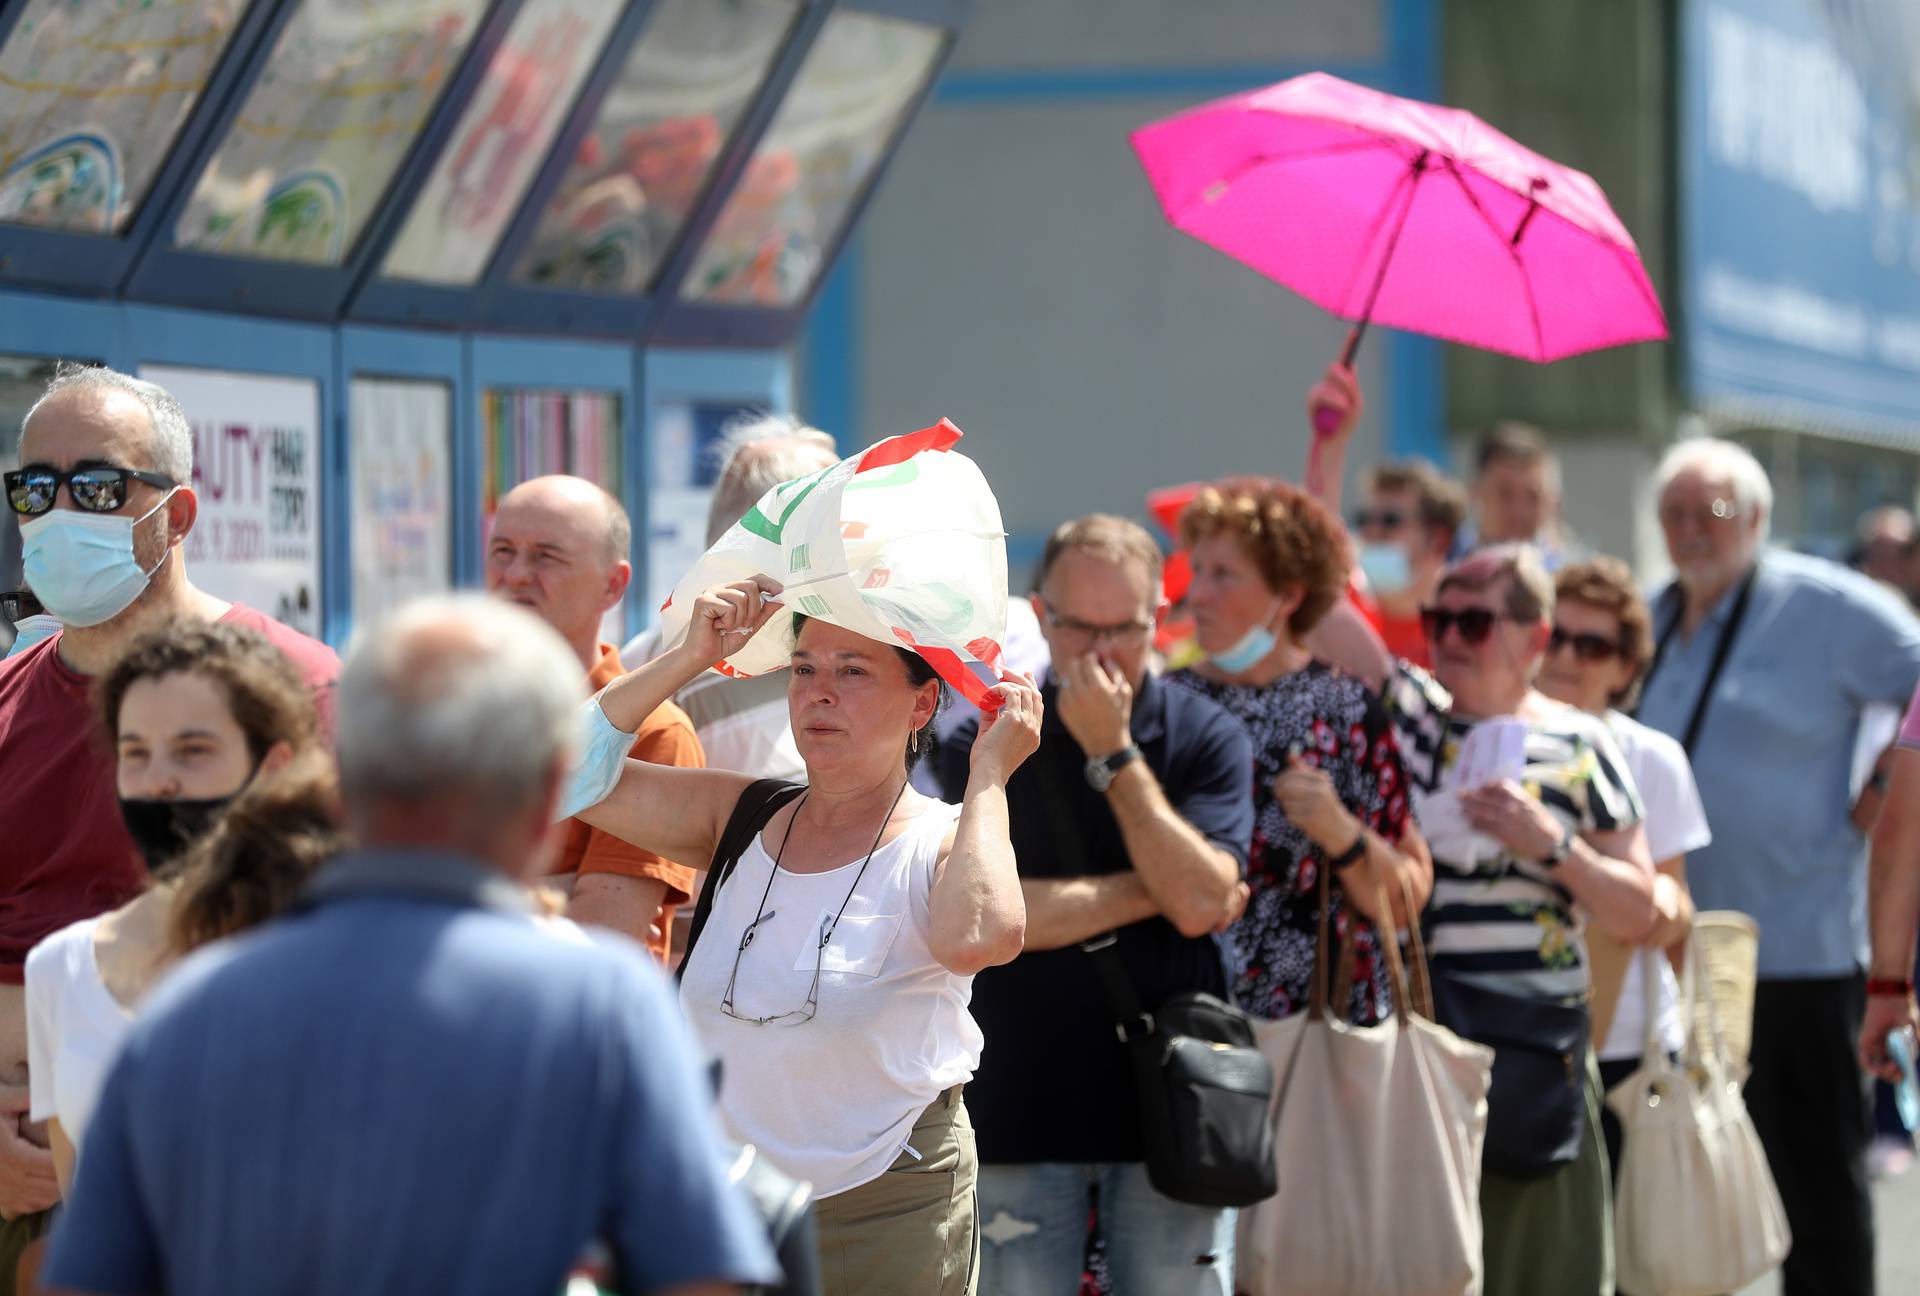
(74, 1028)
(1676, 824)
(833, 1100)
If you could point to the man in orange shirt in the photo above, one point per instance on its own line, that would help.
(559, 548)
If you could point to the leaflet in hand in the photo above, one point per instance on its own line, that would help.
(1494, 751)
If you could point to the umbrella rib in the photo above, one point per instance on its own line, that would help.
(1513, 251)
(1379, 218)
(1218, 188)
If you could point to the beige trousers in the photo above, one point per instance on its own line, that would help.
(912, 1231)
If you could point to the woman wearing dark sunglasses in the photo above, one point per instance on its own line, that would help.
(831, 962)
(1598, 652)
(1517, 861)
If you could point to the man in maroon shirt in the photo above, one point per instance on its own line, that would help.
(67, 855)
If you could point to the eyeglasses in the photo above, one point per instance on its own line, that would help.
(1474, 624)
(96, 488)
(1384, 519)
(1587, 647)
(1125, 632)
(1674, 516)
(18, 605)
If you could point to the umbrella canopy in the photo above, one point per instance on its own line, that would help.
(1421, 217)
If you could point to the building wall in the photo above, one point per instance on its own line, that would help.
(1015, 275)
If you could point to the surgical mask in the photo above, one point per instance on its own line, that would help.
(163, 829)
(1252, 647)
(600, 753)
(1386, 567)
(81, 565)
(28, 631)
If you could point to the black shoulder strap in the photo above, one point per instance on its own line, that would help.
(759, 803)
(1722, 649)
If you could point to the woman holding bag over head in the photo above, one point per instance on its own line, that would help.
(833, 954)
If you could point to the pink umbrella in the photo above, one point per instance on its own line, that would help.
(1422, 217)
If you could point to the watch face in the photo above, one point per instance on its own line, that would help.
(1098, 775)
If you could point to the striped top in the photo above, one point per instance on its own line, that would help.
(1506, 922)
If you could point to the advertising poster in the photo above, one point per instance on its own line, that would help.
(402, 493)
(256, 452)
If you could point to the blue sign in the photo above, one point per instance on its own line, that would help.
(1800, 237)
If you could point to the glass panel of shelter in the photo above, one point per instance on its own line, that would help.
(836, 124)
(626, 195)
(505, 131)
(95, 94)
(348, 87)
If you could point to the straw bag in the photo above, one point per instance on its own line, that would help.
(1729, 947)
(1377, 1131)
(1696, 1212)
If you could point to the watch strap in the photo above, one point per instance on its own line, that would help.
(1353, 854)
(1889, 987)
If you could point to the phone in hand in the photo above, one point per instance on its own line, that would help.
(1906, 1091)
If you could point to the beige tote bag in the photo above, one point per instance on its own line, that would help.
(1696, 1212)
(1377, 1134)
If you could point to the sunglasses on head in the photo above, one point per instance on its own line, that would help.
(1385, 519)
(1474, 624)
(95, 488)
(1587, 647)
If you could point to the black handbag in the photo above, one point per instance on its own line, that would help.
(1537, 1105)
(1205, 1090)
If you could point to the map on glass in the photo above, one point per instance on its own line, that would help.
(92, 93)
(348, 87)
(654, 142)
(504, 133)
(837, 122)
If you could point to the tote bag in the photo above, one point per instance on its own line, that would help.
(1696, 1212)
(1377, 1137)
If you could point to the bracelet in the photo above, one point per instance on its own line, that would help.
(1352, 854)
(1889, 987)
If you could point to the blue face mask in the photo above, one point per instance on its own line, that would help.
(81, 565)
(600, 753)
(28, 631)
(1252, 647)
(1386, 568)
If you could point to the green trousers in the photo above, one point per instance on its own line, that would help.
(1552, 1235)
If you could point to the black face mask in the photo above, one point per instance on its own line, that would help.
(163, 829)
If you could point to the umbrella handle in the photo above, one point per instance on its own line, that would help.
(1326, 419)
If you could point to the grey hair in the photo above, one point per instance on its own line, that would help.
(456, 698)
(171, 444)
(1752, 489)
(757, 452)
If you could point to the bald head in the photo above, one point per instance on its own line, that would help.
(558, 548)
(455, 702)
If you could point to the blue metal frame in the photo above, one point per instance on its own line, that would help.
(373, 352)
(100, 264)
(680, 322)
(167, 273)
(401, 300)
(551, 365)
(163, 335)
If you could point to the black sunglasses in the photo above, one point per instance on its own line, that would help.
(1587, 647)
(1474, 624)
(17, 605)
(96, 488)
(1385, 519)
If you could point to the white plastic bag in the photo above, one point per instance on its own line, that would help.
(902, 543)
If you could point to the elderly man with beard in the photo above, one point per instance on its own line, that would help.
(1764, 663)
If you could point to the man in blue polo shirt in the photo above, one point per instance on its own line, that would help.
(411, 1086)
(1133, 817)
(1763, 666)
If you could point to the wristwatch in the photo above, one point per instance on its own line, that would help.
(1558, 855)
(1100, 772)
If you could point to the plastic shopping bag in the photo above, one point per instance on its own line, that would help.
(902, 543)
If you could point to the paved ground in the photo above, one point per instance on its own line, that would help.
(1897, 1221)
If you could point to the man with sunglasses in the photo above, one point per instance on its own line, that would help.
(1131, 819)
(1764, 665)
(104, 504)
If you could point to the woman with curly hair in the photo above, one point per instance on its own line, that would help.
(227, 794)
(1330, 790)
